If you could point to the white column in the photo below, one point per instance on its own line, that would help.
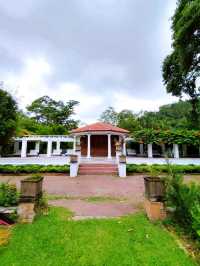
(74, 144)
(58, 145)
(124, 147)
(109, 146)
(141, 148)
(49, 148)
(88, 146)
(24, 148)
(176, 151)
(150, 150)
(37, 147)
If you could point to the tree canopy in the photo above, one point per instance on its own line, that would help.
(8, 118)
(124, 119)
(109, 116)
(181, 69)
(50, 113)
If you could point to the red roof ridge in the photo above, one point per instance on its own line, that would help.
(100, 126)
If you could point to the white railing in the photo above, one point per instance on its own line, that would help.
(64, 138)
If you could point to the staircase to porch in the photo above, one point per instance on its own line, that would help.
(98, 169)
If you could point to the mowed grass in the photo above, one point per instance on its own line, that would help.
(56, 240)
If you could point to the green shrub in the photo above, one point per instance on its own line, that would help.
(162, 168)
(195, 212)
(8, 195)
(185, 200)
(33, 168)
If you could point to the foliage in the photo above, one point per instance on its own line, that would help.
(176, 116)
(128, 121)
(49, 112)
(8, 195)
(181, 68)
(167, 136)
(28, 126)
(8, 118)
(195, 212)
(34, 177)
(124, 119)
(185, 200)
(55, 239)
(162, 168)
(170, 116)
(42, 204)
(33, 168)
(109, 116)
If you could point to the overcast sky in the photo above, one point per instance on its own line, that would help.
(99, 52)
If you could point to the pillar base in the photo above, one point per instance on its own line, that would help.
(155, 210)
(26, 212)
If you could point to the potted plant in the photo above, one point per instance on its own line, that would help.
(118, 146)
(78, 148)
(154, 186)
(73, 158)
(31, 188)
(122, 158)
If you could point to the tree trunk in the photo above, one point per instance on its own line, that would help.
(195, 113)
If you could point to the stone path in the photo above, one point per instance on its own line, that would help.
(82, 208)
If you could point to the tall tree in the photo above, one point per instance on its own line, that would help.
(50, 112)
(109, 116)
(8, 118)
(128, 120)
(181, 69)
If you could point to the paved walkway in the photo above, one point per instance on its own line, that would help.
(92, 196)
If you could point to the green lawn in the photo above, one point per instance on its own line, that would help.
(54, 240)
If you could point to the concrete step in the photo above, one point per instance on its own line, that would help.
(98, 173)
(98, 169)
(97, 165)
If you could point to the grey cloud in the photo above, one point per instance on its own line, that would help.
(103, 45)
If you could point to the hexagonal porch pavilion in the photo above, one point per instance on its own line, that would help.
(99, 139)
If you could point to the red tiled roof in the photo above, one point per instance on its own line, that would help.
(99, 126)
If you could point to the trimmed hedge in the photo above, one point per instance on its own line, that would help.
(163, 168)
(131, 168)
(33, 168)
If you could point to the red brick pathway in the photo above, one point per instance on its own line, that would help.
(78, 189)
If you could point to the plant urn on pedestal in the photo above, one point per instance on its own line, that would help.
(122, 166)
(122, 159)
(78, 148)
(30, 194)
(74, 165)
(118, 147)
(73, 158)
(154, 197)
